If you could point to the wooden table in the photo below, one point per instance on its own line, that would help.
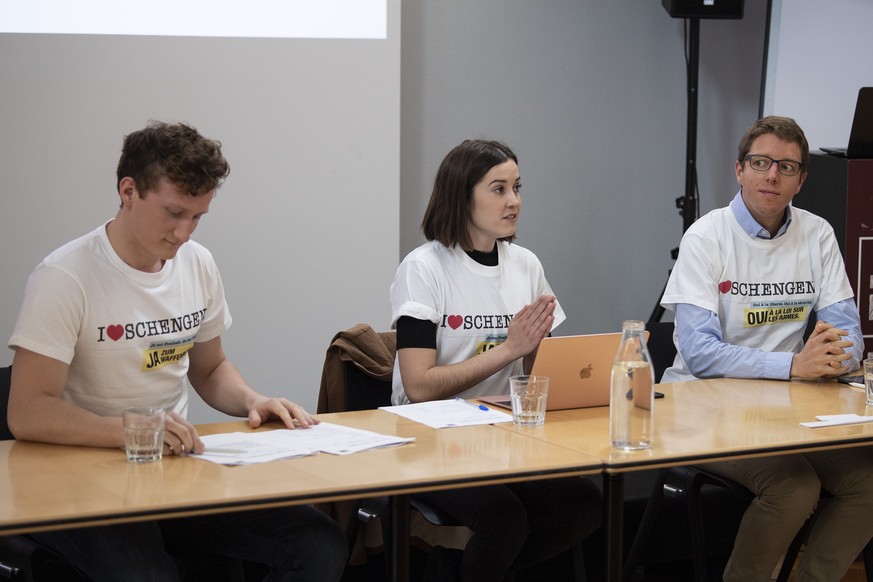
(45, 487)
(704, 421)
(52, 487)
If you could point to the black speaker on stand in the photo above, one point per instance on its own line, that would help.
(704, 8)
(693, 11)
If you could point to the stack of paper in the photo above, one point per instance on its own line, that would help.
(244, 448)
(836, 420)
(449, 413)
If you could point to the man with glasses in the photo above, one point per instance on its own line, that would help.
(747, 281)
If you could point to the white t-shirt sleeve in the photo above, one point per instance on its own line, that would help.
(835, 284)
(217, 319)
(415, 293)
(694, 279)
(51, 312)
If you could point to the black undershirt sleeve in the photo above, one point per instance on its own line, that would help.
(416, 333)
(421, 333)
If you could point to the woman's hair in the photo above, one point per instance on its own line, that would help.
(784, 128)
(176, 152)
(448, 212)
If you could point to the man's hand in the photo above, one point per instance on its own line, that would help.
(823, 355)
(180, 436)
(291, 414)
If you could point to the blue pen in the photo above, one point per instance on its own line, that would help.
(479, 406)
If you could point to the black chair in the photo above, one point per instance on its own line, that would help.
(23, 559)
(366, 386)
(686, 484)
(683, 484)
(660, 345)
(5, 384)
(364, 392)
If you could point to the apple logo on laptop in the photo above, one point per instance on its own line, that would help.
(586, 372)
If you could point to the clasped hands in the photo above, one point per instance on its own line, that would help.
(824, 355)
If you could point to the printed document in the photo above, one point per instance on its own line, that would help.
(449, 413)
(244, 448)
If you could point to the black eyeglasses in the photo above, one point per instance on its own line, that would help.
(764, 163)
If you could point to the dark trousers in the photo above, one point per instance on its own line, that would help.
(520, 524)
(296, 543)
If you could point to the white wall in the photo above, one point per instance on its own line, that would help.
(591, 95)
(305, 230)
(820, 55)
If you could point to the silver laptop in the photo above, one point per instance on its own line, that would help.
(579, 368)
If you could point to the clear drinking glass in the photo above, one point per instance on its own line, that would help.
(143, 433)
(529, 394)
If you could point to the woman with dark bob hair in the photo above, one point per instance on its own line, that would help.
(470, 308)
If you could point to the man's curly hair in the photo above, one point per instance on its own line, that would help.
(176, 152)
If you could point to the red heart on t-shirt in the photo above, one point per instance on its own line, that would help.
(115, 332)
(724, 286)
(455, 321)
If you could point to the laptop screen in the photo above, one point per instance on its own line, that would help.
(861, 137)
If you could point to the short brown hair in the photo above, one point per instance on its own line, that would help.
(448, 212)
(176, 152)
(784, 128)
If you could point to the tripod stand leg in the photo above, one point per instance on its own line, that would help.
(658, 311)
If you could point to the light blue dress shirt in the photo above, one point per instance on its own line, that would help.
(702, 345)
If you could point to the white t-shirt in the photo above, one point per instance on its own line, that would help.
(472, 304)
(123, 332)
(762, 290)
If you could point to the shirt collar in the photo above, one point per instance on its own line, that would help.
(748, 223)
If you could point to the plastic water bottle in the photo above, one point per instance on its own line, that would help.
(632, 394)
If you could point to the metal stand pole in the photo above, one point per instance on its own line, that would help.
(688, 204)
